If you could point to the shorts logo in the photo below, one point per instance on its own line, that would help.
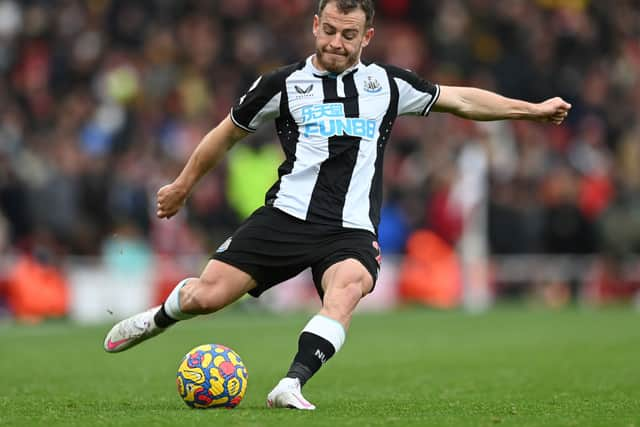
(223, 247)
(304, 91)
(377, 248)
(372, 85)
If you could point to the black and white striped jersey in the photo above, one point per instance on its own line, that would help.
(333, 130)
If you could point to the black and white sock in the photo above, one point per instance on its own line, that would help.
(162, 319)
(320, 339)
(170, 312)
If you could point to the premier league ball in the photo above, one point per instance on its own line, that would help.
(212, 376)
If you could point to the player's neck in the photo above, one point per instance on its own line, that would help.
(319, 67)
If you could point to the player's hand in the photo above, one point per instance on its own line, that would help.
(553, 110)
(171, 198)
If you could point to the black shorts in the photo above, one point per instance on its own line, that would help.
(272, 246)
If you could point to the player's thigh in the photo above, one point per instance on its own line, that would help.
(271, 247)
(224, 283)
(349, 258)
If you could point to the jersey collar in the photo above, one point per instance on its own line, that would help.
(320, 73)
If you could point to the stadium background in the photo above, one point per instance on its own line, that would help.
(102, 101)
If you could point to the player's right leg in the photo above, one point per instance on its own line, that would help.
(344, 284)
(219, 285)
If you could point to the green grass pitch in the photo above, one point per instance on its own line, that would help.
(512, 366)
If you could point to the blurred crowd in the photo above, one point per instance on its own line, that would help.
(102, 101)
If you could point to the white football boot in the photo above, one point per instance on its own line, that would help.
(132, 331)
(287, 394)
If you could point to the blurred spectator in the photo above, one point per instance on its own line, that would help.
(36, 285)
(431, 271)
(252, 171)
(126, 251)
(4, 266)
(394, 226)
(612, 279)
(101, 102)
(566, 228)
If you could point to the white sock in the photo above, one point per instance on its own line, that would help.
(327, 328)
(172, 304)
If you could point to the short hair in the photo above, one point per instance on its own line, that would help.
(346, 6)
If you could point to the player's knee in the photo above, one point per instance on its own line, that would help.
(356, 290)
(358, 285)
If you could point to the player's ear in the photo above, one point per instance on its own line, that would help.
(316, 25)
(368, 35)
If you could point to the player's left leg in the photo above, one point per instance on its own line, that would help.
(344, 283)
(219, 285)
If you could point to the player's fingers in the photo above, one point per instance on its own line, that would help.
(161, 212)
(164, 214)
(161, 201)
(562, 103)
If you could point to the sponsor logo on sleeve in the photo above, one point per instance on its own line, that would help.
(223, 247)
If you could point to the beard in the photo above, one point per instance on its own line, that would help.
(337, 62)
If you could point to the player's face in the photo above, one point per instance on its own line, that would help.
(340, 38)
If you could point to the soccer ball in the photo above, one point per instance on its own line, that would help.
(212, 376)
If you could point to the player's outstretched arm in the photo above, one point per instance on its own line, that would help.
(205, 157)
(478, 104)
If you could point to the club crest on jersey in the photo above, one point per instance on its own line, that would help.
(304, 91)
(372, 85)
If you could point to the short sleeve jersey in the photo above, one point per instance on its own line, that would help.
(333, 129)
